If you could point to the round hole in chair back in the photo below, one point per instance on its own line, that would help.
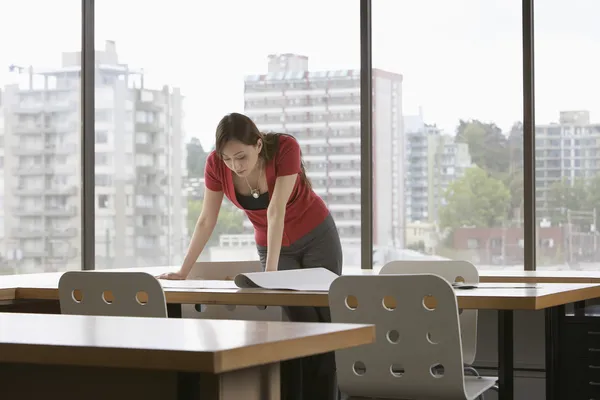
(431, 339)
(393, 336)
(389, 303)
(437, 370)
(141, 297)
(77, 296)
(359, 368)
(397, 370)
(230, 307)
(429, 302)
(261, 307)
(351, 302)
(108, 297)
(459, 279)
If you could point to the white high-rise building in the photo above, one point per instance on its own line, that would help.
(140, 165)
(322, 110)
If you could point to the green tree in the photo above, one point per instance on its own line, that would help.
(230, 220)
(477, 199)
(196, 158)
(568, 195)
(514, 182)
(488, 146)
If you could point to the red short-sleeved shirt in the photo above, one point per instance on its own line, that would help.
(305, 210)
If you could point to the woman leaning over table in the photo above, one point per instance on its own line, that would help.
(263, 174)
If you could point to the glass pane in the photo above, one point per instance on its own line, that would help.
(457, 191)
(164, 89)
(567, 134)
(39, 137)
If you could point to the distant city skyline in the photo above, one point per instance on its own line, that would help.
(461, 62)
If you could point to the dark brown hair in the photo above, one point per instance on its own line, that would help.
(239, 127)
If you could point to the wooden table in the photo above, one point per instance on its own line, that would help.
(155, 358)
(503, 297)
(488, 296)
(541, 276)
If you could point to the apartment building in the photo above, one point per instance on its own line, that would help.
(322, 110)
(568, 149)
(433, 160)
(140, 166)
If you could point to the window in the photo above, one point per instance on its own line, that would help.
(566, 98)
(101, 137)
(34, 107)
(166, 107)
(103, 201)
(461, 145)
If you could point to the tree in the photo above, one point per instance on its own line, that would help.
(567, 195)
(477, 199)
(488, 146)
(196, 158)
(230, 220)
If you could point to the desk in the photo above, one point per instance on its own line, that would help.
(123, 358)
(503, 297)
(541, 276)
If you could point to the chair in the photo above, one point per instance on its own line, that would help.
(127, 294)
(417, 354)
(222, 271)
(452, 271)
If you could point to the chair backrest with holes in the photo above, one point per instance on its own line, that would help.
(452, 271)
(127, 294)
(228, 270)
(418, 337)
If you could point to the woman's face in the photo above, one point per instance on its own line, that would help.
(241, 158)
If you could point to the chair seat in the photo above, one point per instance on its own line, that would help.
(475, 385)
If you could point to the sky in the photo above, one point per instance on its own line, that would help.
(460, 59)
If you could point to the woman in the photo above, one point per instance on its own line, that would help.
(263, 174)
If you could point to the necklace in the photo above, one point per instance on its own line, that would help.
(255, 192)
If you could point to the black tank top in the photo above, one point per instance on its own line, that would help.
(250, 203)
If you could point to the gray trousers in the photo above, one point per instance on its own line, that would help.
(313, 378)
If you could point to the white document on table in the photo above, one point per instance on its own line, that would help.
(197, 284)
(308, 279)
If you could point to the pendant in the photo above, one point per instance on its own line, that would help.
(255, 194)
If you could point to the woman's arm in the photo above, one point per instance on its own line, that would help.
(284, 185)
(204, 228)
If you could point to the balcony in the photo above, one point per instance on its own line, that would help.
(147, 127)
(148, 210)
(26, 150)
(63, 233)
(62, 190)
(153, 229)
(29, 129)
(148, 106)
(59, 255)
(24, 233)
(146, 169)
(149, 189)
(22, 191)
(30, 170)
(148, 148)
(23, 211)
(51, 148)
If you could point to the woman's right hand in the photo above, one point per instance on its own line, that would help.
(174, 276)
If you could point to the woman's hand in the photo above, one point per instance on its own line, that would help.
(174, 276)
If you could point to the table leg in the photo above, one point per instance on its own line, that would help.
(579, 308)
(553, 319)
(256, 383)
(505, 355)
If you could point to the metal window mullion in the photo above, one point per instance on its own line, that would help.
(366, 132)
(87, 130)
(530, 243)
